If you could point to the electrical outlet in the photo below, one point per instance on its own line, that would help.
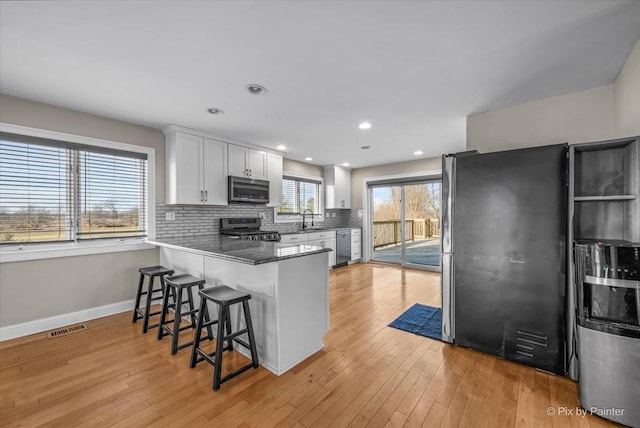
(360, 213)
(333, 214)
(262, 216)
(170, 216)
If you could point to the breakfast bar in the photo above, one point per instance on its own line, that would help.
(289, 285)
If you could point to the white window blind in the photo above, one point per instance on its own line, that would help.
(59, 191)
(35, 193)
(300, 194)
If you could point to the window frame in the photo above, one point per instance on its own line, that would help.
(42, 250)
(297, 218)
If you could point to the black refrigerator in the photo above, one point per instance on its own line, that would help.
(504, 227)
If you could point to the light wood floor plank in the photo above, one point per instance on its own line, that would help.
(368, 374)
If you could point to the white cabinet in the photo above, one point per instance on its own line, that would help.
(324, 239)
(274, 175)
(337, 183)
(297, 238)
(356, 244)
(215, 172)
(246, 162)
(196, 170)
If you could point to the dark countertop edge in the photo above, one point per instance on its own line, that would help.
(333, 229)
(239, 259)
(205, 253)
(293, 256)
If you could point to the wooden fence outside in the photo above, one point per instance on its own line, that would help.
(387, 232)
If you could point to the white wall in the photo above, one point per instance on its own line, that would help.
(302, 168)
(358, 175)
(32, 290)
(627, 96)
(19, 111)
(577, 117)
(605, 112)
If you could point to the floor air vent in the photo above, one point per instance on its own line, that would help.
(66, 330)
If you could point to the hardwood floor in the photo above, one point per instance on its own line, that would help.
(367, 375)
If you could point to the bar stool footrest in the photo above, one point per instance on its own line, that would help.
(236, 373)
(233, 336)
(242, 342)
(209, 356)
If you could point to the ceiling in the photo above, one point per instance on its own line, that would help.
(414, 70)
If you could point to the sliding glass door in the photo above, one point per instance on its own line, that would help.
(405, 222)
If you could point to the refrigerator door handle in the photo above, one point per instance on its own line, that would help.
(448, 307)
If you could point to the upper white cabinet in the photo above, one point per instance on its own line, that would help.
(246, 162)
(196, 170)
(274, 175)
(337, 182)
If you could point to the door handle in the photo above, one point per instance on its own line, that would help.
(201, 196)
(206, 195)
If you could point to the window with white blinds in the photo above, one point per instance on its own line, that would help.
(298, 195)
(52, 191)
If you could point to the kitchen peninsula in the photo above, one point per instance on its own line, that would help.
(289, 285)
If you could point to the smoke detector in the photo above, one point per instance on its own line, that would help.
(255, 89)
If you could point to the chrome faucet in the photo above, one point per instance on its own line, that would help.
(304, 214)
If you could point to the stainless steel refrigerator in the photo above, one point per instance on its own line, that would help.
(504, 221)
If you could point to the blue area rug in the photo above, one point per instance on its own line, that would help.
(422, 320)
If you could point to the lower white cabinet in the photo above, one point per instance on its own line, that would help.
(356, 244)
(298, 238)
(324, 239)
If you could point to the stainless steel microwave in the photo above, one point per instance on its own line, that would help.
(246, 190)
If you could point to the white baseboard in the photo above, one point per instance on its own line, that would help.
(45, 324)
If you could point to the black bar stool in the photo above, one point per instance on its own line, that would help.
(152, 272)
(224, 296)
(174, 286)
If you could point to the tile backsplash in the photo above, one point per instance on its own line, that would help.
(199, 220)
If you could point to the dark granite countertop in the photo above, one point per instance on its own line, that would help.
(242, 251)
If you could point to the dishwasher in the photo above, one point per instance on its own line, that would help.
(343, 247)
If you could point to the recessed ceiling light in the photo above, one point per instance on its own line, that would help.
(364, 125)
(345, 163)
(417, 152)
(215, 110)
(255, 89)
(281, 147)
(365, 147)
(308, 159)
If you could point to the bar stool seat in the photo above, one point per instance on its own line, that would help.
(175, 286)
(151, 294)
(224, 297)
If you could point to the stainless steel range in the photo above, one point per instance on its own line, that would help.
(247, 228)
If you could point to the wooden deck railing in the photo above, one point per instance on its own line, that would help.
(387, 232)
